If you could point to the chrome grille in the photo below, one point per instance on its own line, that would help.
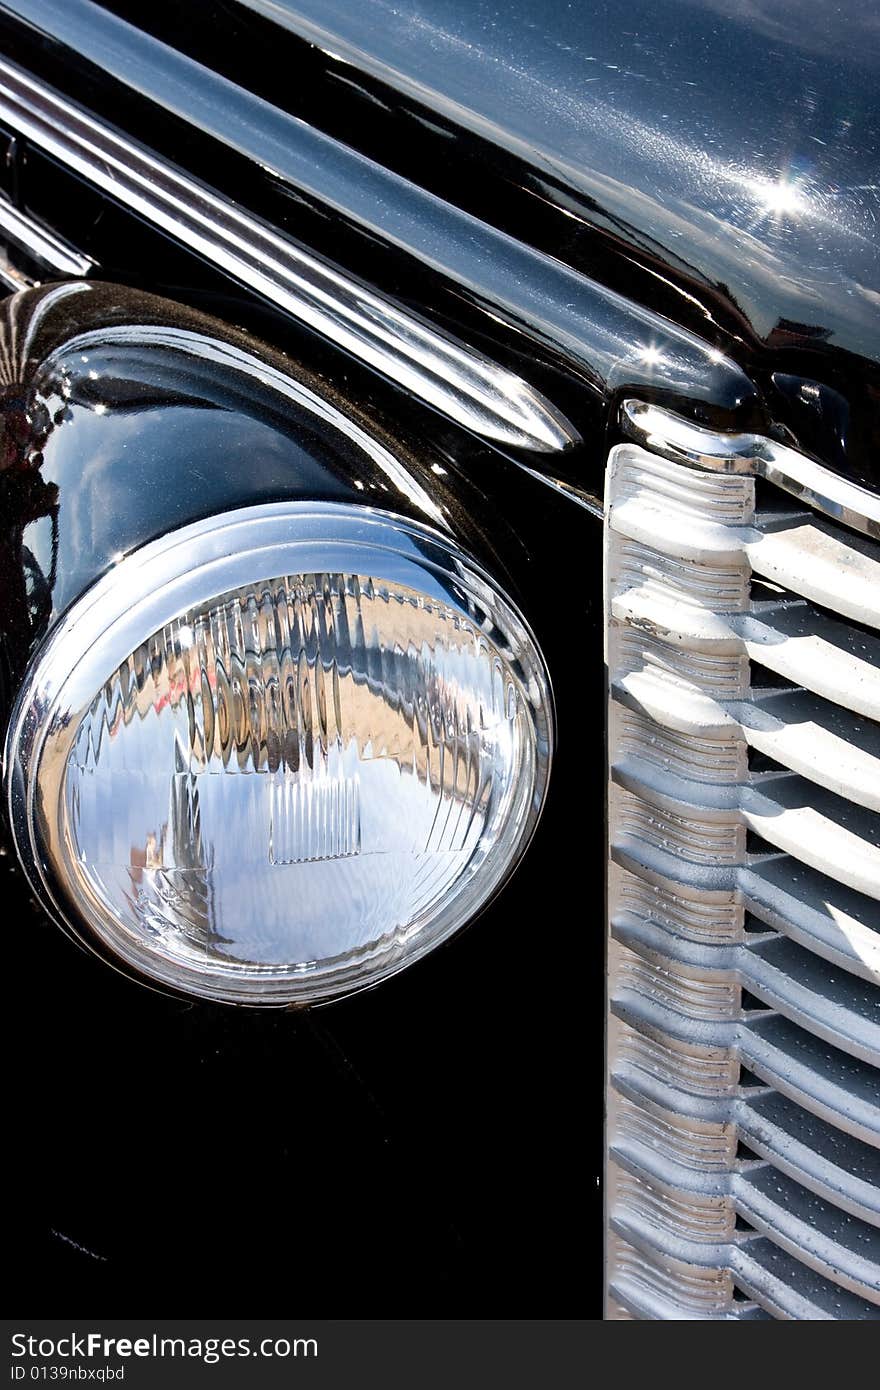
(744, 926)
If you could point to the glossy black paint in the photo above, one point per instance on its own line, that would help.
(136, 425)
(714, 163)
(417, 1149)
(733, 139)
(565, 187)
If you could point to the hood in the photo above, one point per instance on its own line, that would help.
(735, 141)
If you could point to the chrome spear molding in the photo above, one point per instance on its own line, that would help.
(460, 383)
(41, 245)
(684, 442)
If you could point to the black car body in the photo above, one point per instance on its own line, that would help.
(673, 203)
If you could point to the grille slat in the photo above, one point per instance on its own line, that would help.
(834, 1166)
(819, 827)
(839, 1089)
(787, 1288)
(829, 1163)
(833, 1243)
(782, 975)
(810, 557)
(813, 909)
(799, 730)
(794, 639)
(743, 898)
(830, 1005)
(828, 1083)
(697, 1224)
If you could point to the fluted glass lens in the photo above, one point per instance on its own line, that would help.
(299, 784)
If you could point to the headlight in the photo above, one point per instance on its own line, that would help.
(279, 754)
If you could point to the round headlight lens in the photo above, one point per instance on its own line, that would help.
(276, 756)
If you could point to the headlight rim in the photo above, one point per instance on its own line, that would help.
(67, 659)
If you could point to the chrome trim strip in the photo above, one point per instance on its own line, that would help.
(684, 442)
(440, 371)
(44, 246)
(13, 279)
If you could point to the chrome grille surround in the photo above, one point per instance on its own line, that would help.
(743, 1117)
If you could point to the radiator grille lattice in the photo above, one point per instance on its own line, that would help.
(744, 955)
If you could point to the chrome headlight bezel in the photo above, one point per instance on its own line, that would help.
(186, 568)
